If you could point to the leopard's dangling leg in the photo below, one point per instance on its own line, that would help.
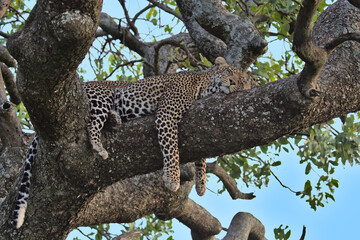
(200, 177)
(168, 140)
(99, 113)
(94, 127)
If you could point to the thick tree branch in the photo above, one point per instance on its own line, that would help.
(59, 34)
(10, 129)
(136, 197)
(156, 55)
(129, 22)
(6, 58)
(10, 84)
(339, 40)
(197, 218)
(217, 32)
(245, 226)
(313, 56)
(123, 34)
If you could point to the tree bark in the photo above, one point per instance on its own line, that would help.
(68, 174)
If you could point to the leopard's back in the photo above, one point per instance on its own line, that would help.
(169, 96)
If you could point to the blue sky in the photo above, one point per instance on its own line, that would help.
(275, 205)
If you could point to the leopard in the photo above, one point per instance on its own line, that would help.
(167, 96)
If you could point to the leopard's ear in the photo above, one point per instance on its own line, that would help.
(220, 62)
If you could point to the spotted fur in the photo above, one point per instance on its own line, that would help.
(200, 176)
(21, 203)
(169, 96)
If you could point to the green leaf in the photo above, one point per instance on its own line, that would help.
(308, 168)
(150, 13)
(277, 163)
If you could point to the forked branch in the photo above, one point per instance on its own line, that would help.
(314, 56)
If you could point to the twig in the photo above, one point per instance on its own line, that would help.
(141, 12)
(303, 233)
(277, 34)
(130, 23)
(228, 181)
(83, 233)
(122, 65)
(272, 173)
(239, 173)
(284, 186)
(17, 12)
(166, 9)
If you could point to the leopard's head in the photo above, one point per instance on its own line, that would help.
(227, 77)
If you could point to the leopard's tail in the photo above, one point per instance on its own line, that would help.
(200, 177)
(21, 203)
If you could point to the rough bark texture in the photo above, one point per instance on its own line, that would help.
(68, 177)
(231, 36)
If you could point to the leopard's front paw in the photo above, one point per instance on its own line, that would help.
(100, 150)
(172, 183)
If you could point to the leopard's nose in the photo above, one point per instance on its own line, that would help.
(232, 82)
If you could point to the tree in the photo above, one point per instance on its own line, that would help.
(74, 187)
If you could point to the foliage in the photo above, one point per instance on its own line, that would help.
(151, 228)
(322, 148)
(14, 20)
(281, 234)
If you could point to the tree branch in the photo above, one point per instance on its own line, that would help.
(6, 58)
(130, 23)
(136, 197)
(123, 34)
(10, 84)
(339, 40)
(199, 220)
(10, 129)
(245, 226)
(313, 56)
(4, 5)
(166, 9)
(128, 235)
(228, 181)
(219, 33)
